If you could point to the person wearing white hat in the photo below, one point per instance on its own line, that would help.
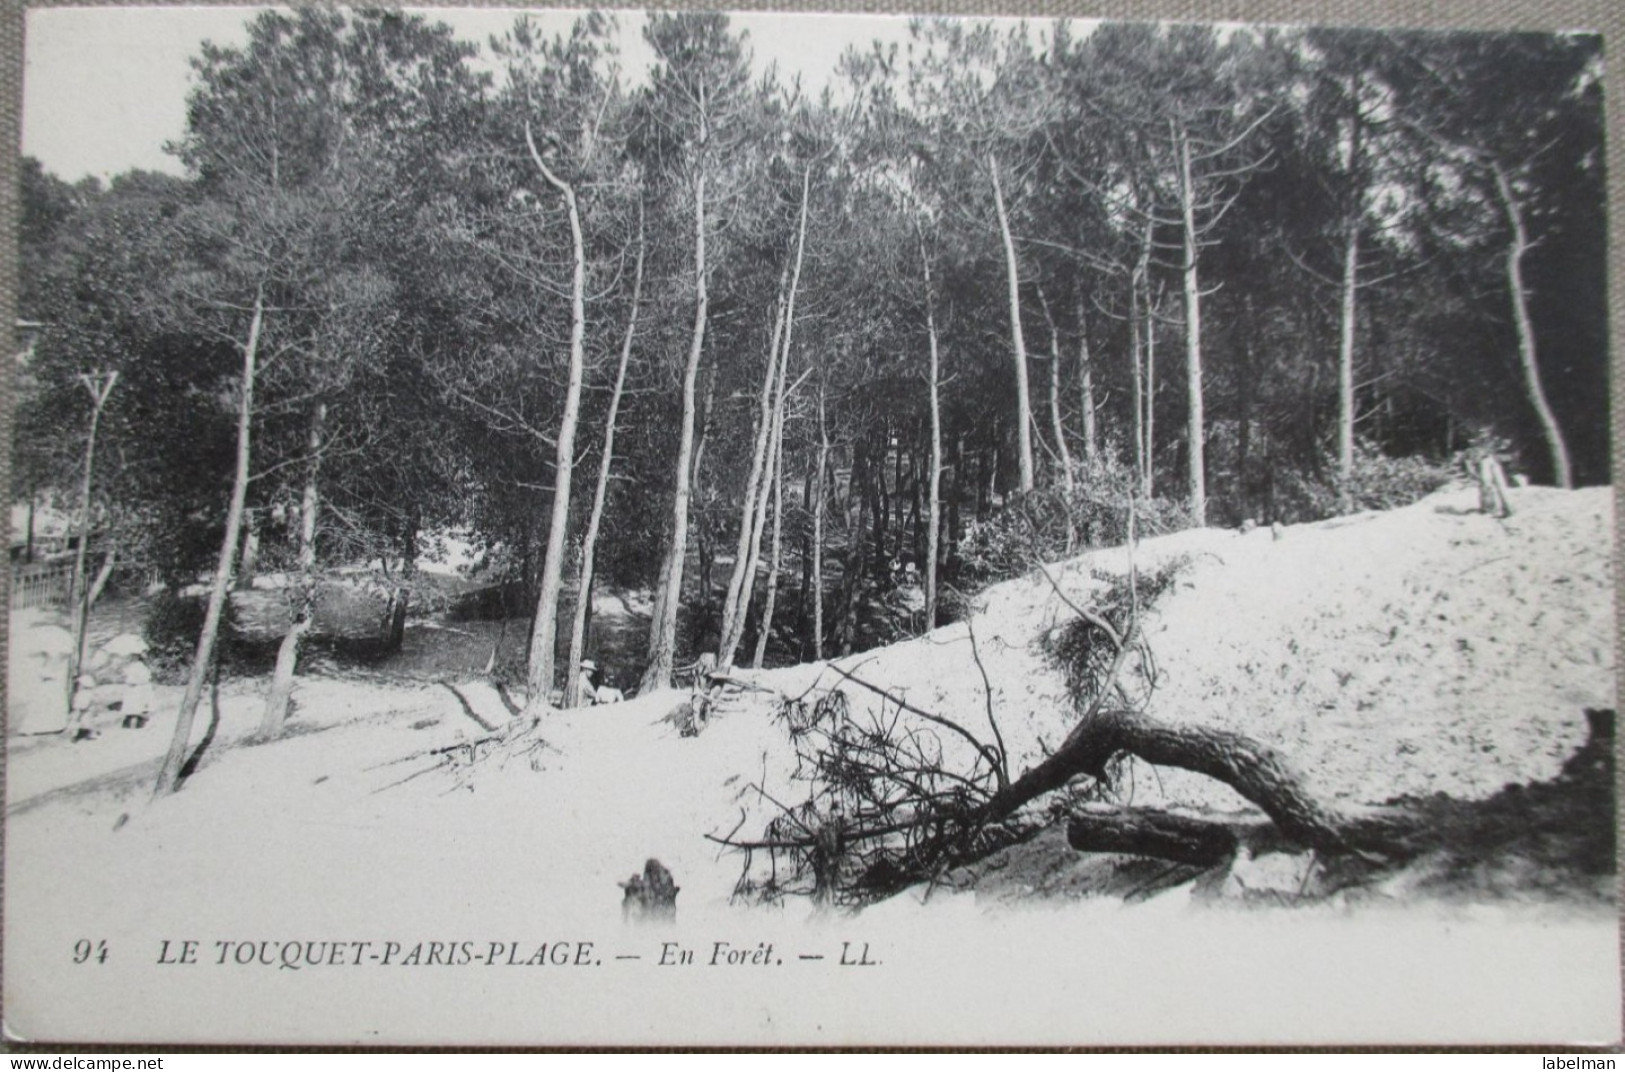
(588, 690)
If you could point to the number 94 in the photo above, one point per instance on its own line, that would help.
(84, 950)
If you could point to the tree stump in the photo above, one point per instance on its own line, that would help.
(685, 718)
(651, 896)
(1492, 487)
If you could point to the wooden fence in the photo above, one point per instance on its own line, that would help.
(41, 585)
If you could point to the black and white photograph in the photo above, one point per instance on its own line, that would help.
(619, 528)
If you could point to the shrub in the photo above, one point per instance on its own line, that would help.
(1378, 482)
(1383, 483)
(1050, 524)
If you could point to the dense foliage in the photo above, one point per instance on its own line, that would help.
(1076, 273)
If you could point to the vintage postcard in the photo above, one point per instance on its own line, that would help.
(551, 528)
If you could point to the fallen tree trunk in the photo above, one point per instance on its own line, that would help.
(913, 831)
(1251, 768)
(901, 818)
(1146, 832)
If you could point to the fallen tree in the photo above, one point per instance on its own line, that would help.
(1252, 769)
(887, 809)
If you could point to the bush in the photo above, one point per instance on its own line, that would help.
(1383, 483)
(1050, 524)
(1378, 482)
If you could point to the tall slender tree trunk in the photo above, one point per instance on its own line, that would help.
(1151, 395)
(914, 525)
(987, 488)
(1345, 368)
(1086, 390)
(879, 500)
(279, 699)
(852, 582)
(1196, 425)
(1140, 295)
(705, 545)
(702, 436)
(746, 570)
(1018, 343)
(1308, 428)
(933, 509)
(803, 606)
(819, 495)
(1349, 288)
(1518, 245)
(770, 476)
(589, 542)
(544, 629)
(203, 659)
(732, 612)
(663, 629)
(778, 536)
(99, 387)
(902, 494)
(1246, 389)
(1137, 361)
(1057, 429)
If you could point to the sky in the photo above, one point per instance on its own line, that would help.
(105, 88)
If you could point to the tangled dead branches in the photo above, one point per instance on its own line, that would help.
(887, 803)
